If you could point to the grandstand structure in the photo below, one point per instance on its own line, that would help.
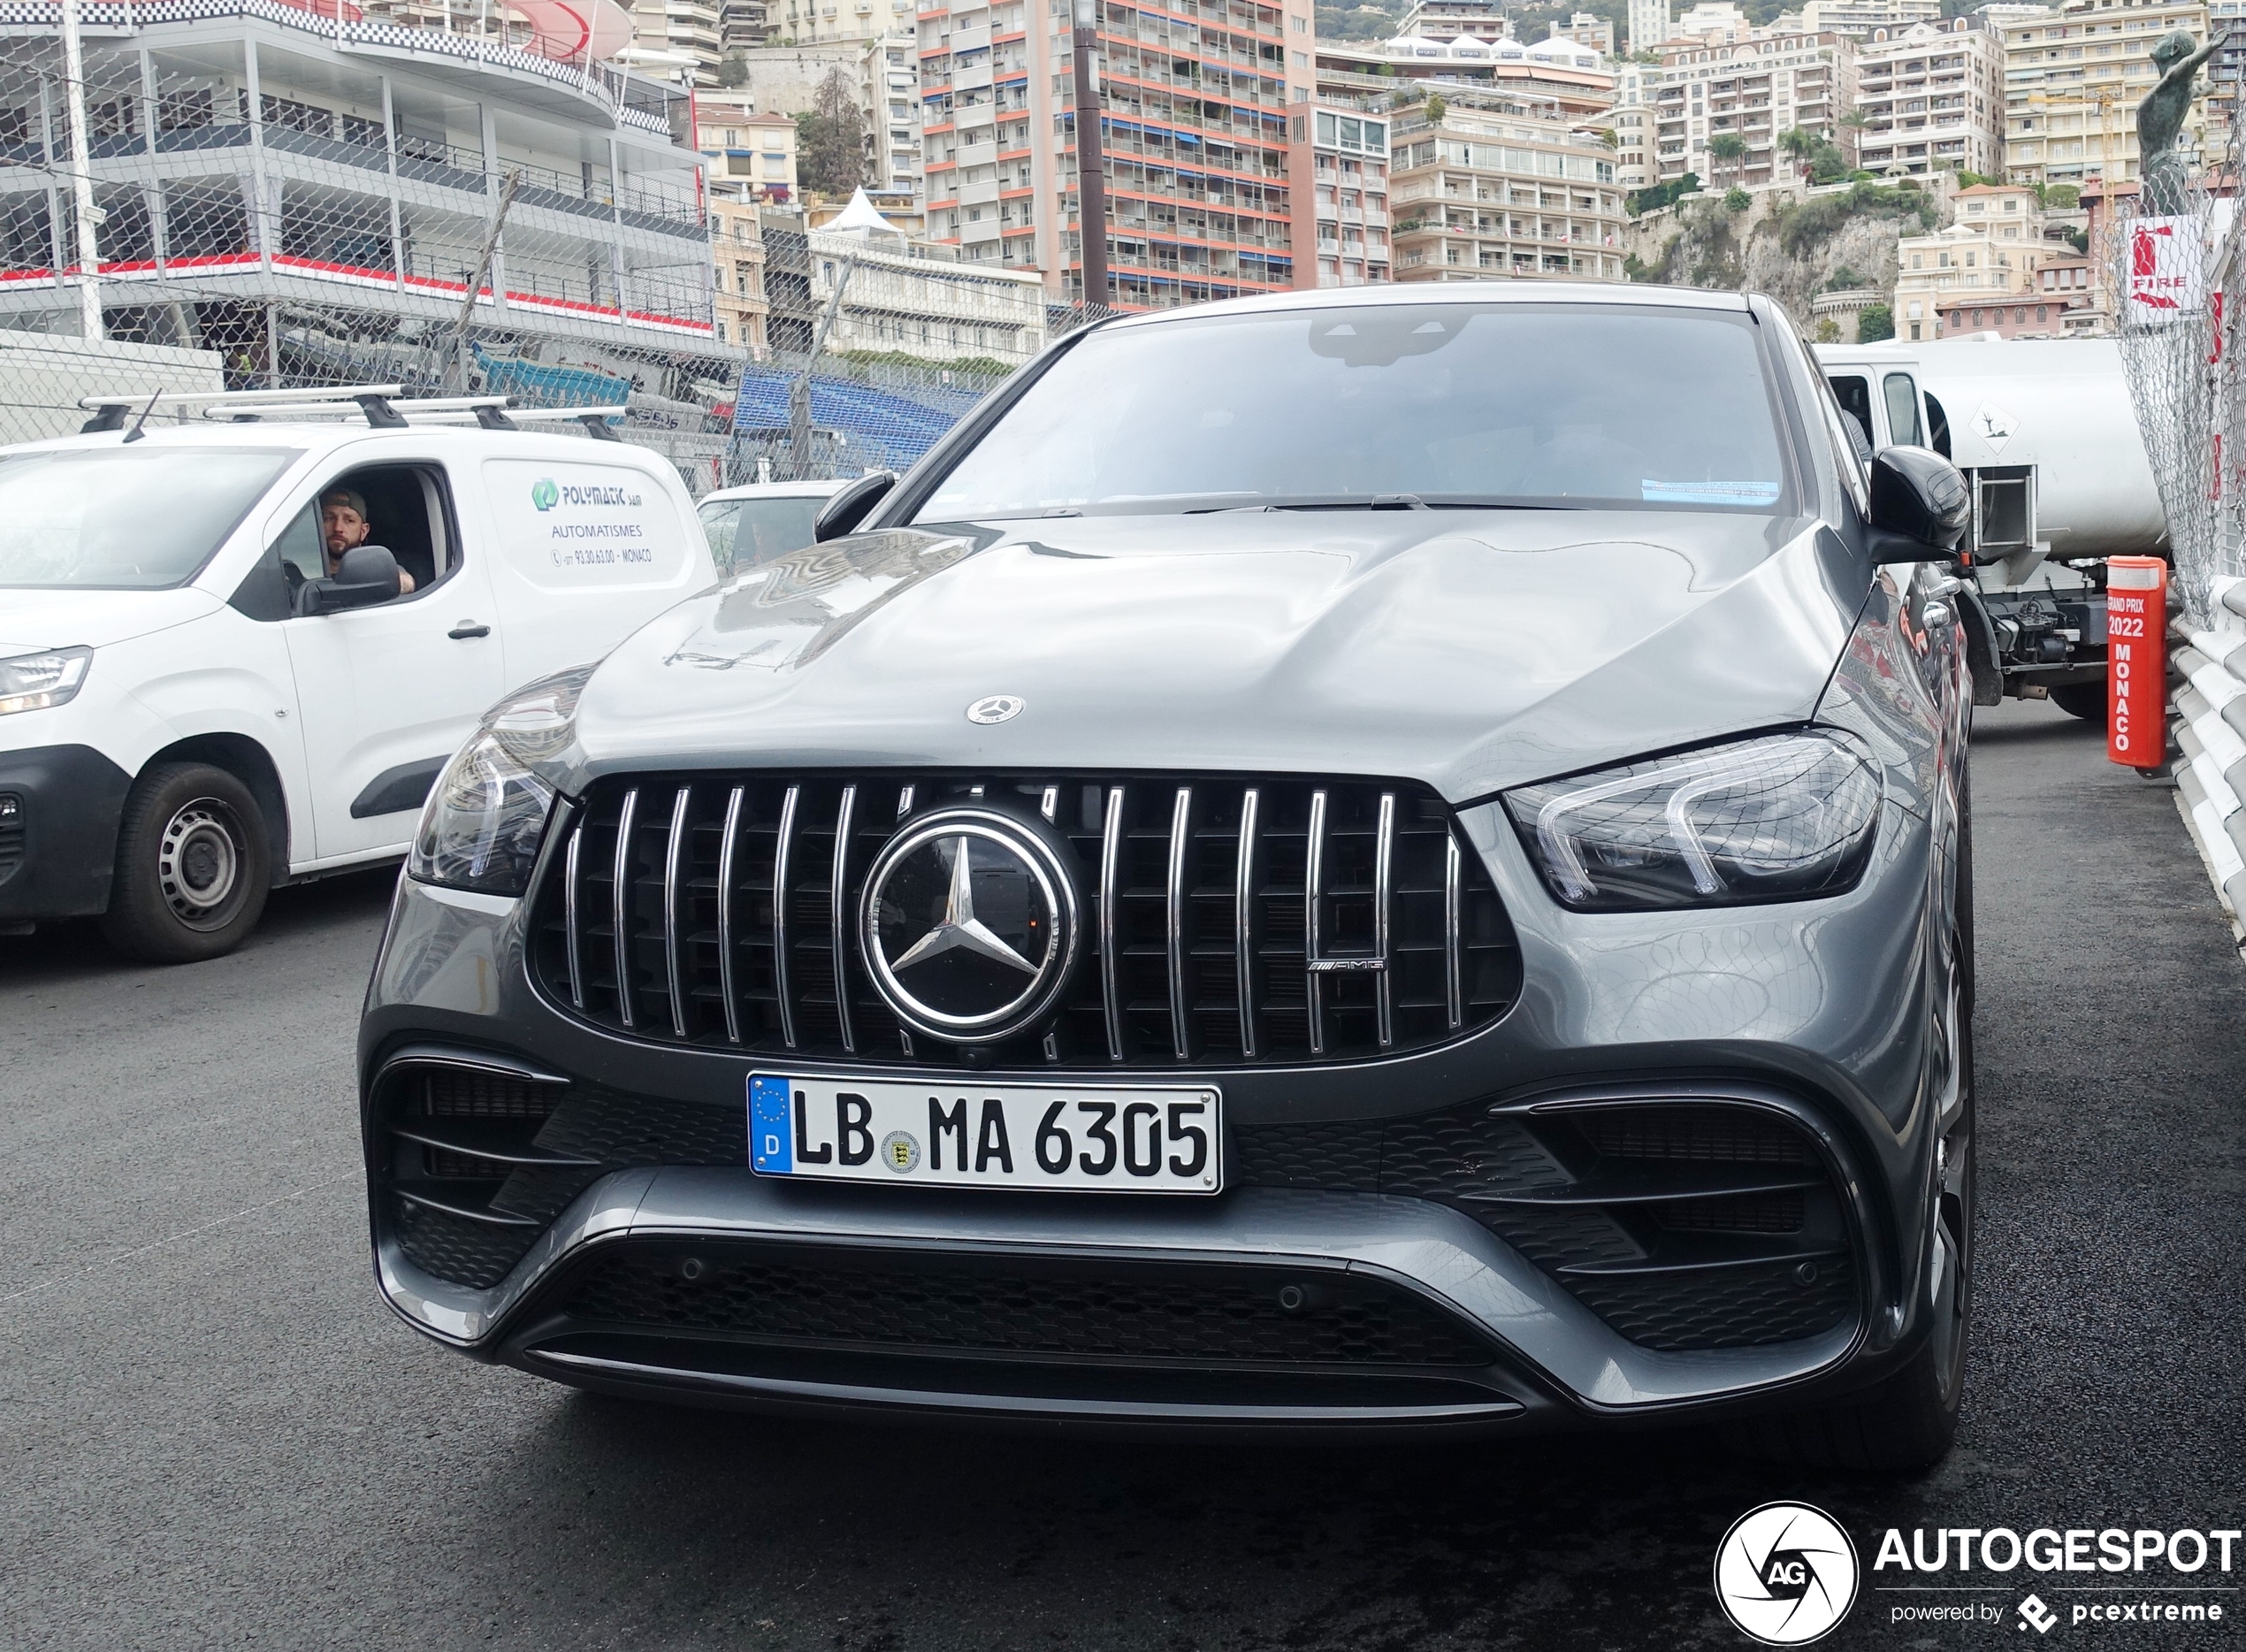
(321, 195)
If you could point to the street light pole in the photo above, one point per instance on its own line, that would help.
(81, 177)
(1091, 160)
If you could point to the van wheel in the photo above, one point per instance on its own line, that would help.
(2086, 701)
(193, 866)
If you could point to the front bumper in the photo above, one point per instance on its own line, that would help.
(1810, 1022)
(59, 806)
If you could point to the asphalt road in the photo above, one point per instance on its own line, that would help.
(212, 1434)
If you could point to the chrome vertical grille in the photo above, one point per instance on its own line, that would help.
(1265, 920)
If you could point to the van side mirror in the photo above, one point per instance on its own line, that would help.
(842, 513)
(367, 574)
(1921, 506)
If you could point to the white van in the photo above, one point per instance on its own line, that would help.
(198, 700)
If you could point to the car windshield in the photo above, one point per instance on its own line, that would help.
(744, 532)
(1515, 404)
(124, 519)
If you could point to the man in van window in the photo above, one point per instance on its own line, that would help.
(343, 524)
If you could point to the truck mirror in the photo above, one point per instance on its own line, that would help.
(1921, 506)
(367, 574)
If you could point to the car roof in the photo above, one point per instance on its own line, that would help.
(1572, 293)
(822, 489)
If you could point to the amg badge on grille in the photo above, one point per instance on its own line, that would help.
(969, 924)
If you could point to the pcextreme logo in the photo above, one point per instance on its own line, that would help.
(544, 494)
(1785, 1574)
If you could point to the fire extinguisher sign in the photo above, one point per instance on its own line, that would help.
(2136, 669)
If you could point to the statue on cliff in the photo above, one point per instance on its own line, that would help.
(2167, 186)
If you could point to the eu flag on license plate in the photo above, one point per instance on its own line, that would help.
(771, 1128)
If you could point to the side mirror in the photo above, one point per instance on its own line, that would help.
(367, 574)
(843, 513)
(1921, 506)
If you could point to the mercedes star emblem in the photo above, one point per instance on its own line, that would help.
(969, 924)
(995, 708)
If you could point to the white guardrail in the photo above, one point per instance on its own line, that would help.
(2209, 704)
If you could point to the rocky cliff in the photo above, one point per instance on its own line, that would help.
(1789, 244)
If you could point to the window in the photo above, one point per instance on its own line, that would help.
(1514, 401)
(82, 519)
(1901, 394)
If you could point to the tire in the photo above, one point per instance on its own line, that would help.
(2086, 701)
(1905, 1425)
(194, 864)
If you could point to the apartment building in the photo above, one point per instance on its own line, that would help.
(751, 156)
(1990, 255)
(736, 250)
(1932, 97)
(2073, 82)
(1864, 18)
(682, 28)
(1649, 25)
(1341, 218)
(1575, 80)
(1196, 129)
(822, 22)
(1758, 88)
(1633, 125)
(1585, 28)
(2061, 304)
(1501, 186)
(1458, 19)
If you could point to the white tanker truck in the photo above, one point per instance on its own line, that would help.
(2047, 438)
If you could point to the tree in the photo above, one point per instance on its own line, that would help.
(733, 69)
(1727, 146)
(1800, 144)
(1828, 330)
(1737, 200)
(1873, 323)
(1436, 110)
(830, 138)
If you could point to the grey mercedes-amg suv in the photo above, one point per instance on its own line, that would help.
(1375, 859)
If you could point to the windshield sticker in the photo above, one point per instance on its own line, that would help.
(1708, 492)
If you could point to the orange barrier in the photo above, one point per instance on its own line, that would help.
(2136, 661)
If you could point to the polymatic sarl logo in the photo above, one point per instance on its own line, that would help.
(545, 494)
(1785, 1574)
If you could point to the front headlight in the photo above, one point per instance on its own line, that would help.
(33, 682)
(487, 814)
(1783, 817)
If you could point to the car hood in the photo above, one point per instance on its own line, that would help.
(32, 621)
(1469, 650)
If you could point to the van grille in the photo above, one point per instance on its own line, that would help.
(658, 918)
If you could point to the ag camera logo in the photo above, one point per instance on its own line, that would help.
(1785, 1574)
(545, 494)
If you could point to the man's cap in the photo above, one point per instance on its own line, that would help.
(344, 495)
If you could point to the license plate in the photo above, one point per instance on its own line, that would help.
(1092, 1138)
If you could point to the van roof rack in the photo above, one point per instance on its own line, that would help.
(384, 406)
(372, 399)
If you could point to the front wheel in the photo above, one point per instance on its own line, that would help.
(193, 866)
(2086, 701)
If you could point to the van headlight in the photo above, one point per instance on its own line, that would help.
(1781, 817)
(33, 682)
(487, 815)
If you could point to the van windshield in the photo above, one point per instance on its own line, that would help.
(1514, 404)
(126, 519)
(745, 534)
